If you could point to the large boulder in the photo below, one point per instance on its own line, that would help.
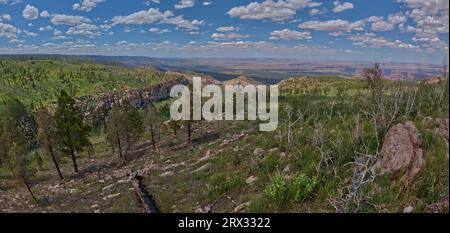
(401, 152)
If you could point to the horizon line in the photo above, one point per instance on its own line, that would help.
(218, 58)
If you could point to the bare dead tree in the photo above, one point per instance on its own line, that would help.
(397, 103)
(352, 198)
(318, 141)
(300, 116)
(385, 106)
(411, 100)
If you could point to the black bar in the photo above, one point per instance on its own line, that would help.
(221, 222)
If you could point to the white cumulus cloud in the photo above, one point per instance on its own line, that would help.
(30, 12)
(339, 7)
(61, 19)
(185, 4)
(273, 10)
(86, 5)
(287, 34)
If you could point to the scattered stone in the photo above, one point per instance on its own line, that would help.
(204, 158)
(241, 207)
(54, 188)
(258, 152)
(273, 150)
(203, 168)
(408, 210)
(94, 206)
(108, 187)
(251, 180)
(231, 199)
(287, 169)
(167, 174)
(111, 196)
(401, 152)
(168, 161)
(173, 166)
(72, 191)
(233, 139)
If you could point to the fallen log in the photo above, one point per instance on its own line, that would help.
(146, 201)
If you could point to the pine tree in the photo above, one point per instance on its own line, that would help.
(14, 149)
(114, 130)
(153, 124)
(73, 134)
(133, 126)
(47, 136)
(124, 129)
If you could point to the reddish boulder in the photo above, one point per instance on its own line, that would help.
(401, 152)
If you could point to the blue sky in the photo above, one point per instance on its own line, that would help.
(383, 30)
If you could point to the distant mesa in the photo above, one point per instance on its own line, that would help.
(241, 80)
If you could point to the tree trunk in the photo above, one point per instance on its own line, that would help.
(50, 148)
(125, 156)
(159, 133)
(120, 148)
(189, 128)
(89, 151)
(153, 137)
(74, 161)
(29, 190)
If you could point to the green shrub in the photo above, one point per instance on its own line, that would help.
(301, 188)
(277, 190)
(281, 191)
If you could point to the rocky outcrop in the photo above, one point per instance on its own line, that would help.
(401, 152)
(96, 108)
(142, 97)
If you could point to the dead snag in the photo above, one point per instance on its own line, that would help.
(146, 201)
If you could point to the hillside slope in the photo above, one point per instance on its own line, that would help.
(309, 164)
